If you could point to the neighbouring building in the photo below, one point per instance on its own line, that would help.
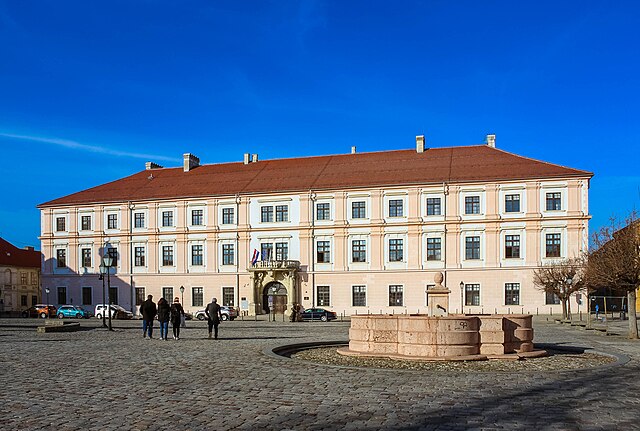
(19, 278)
(355, 233)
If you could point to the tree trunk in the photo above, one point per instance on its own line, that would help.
(633, 321)
(569, 307)
(564, 308)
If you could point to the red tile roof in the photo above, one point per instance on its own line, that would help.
(10, 255)
(479, 163)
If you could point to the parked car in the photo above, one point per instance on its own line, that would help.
(40, 310)
(117, 312)
(228, 313)
(318, 314)
(72, 311)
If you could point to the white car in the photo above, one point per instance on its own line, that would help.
(117, 312)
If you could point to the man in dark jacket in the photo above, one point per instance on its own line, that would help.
(148, 311)
(213, 316)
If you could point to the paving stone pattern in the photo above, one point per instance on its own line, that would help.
(95, 379)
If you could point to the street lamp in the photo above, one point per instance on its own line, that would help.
(182, 295)
(46, 290)
(107, 261)
(103, 271)
(462, 296)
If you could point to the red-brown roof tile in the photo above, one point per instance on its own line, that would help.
(10, 255)
(479, 163)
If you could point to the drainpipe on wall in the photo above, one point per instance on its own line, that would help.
(445, 192)
(131, 207)
(312, 195)
(236, 300)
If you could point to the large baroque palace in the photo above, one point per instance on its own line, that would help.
(355, 233)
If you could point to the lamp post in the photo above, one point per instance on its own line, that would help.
(182, 295)
(462, 297)
(103, 271)
(47, 290)
(107, 261)
(569, 280)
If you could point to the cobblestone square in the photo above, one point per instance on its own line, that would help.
(95, 379)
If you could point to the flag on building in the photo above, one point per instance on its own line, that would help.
(254, 258)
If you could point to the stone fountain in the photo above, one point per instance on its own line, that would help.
(440, 335)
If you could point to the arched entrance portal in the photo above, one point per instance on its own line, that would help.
(274, 298)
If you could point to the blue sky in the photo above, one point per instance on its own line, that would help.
(89, 91)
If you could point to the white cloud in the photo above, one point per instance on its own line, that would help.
(90, 148)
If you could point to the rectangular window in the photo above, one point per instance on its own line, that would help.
(167, 255)
(282, 251)
(24, 279)
(62, 295)
(85, 222)
(112, 221)
(358, 250)
(551, 298)
(323, 252)
(471, 294)
(266, 214)
(512, 246)
(167, 218)
(61, 224)
(358, 210)
(396, 208)
(395, 295)
(512, 294)
(433, 206)
(61, 258)
(227, 254)
(282, 213)
(23, 300)
(359, 296)
(140, 296)
(228, 297)
(113, 295)
(434, 249)
(553, 245)
(554, 201)
(167, 293)
(472, 205)
(323, 296)
(87, 296)
(86, 257)
(266, 250)
(395, 250)
(197, 296)
(113, 253)
(34, 278)
(197, 217)
(512, 203)
(138, 220)
(196, 254)
(34, 300)
(228, 216)
(323, 212)
(139, 256)
(472, 247)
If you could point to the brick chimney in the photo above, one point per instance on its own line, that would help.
(247, 158)
(420, 144)
(190, 161)
(150, 165)
(491, 140)
(353, 149)
(254, 158)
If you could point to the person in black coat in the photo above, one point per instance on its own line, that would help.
(214, 316)
(163, 318)
(148, 310)
(177, 314)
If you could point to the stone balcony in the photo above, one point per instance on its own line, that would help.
(275, 265)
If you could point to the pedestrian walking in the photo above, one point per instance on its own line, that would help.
(148, 310)
(164, 311)
(177, 314)
(213, 316)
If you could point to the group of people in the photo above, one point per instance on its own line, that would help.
(174, 313)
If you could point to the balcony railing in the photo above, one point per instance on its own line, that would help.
(276, 264)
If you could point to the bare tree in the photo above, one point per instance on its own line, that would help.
(614, 262)
(562, 278)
